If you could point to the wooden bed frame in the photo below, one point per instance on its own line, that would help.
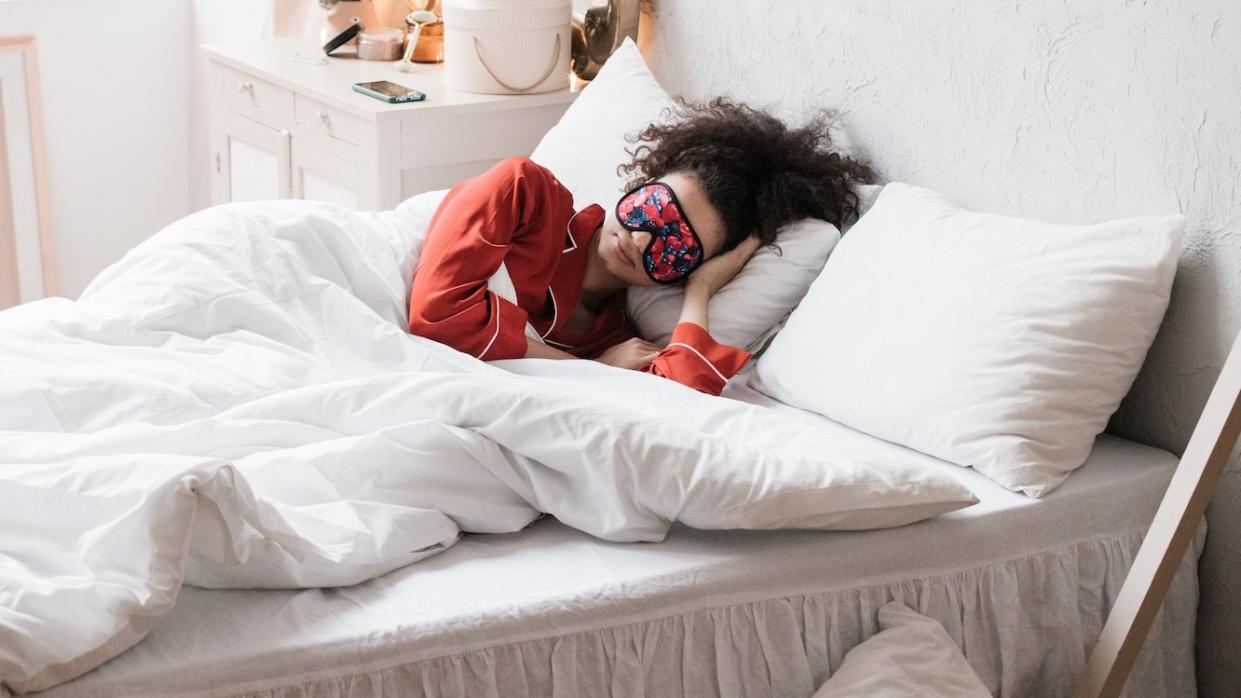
(1170, 534)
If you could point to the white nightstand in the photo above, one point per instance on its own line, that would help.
(283, 129)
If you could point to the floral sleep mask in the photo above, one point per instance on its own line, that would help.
(675, 249)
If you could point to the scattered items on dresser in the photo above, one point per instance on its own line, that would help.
(349, 34)
(429, 46)
(507, 46)
(599, 31)
(380, 44)
(389, 92)
(308, 60)
(416, 20)
(339, 16)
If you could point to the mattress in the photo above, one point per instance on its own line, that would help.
(1024, 585)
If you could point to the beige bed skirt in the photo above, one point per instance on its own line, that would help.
(1026, 625)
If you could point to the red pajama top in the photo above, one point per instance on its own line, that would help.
(518, 214)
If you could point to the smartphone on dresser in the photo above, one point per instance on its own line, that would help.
(389, 92)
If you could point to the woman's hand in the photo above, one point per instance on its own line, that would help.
(711, 277)
(720, 269)
(538, 350)
(635, 354)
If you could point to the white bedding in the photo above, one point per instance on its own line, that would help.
(237, 404)
(1022, 585)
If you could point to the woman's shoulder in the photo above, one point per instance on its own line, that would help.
(522, 166)
(529, 181)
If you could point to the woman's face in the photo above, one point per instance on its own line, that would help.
(621, 249)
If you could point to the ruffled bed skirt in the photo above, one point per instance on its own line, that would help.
(1026, 626)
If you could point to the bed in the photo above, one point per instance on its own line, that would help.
(219, 430)
(283, 477)
(1023, 584)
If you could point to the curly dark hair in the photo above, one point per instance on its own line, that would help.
(759, 173)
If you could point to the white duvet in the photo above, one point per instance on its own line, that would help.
(237, 403)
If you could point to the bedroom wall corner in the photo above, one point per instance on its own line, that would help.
(1073, 112)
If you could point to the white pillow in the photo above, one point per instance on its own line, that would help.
(993, 342)
(911, 655)
(584, 149)
(586, 146)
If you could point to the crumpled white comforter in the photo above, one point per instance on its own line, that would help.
(237, 403)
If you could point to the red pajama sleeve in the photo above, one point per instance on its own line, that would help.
(472, 232)
(694, 359)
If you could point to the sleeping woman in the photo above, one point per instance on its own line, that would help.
(512, 267)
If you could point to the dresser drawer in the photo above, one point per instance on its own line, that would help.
(316, 122)
(254, 97)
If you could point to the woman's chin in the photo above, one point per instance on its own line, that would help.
(632, 276)
(627, 274)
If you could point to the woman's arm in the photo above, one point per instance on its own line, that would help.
(634, 353)
(538, 350)
(474, 230)
(694, 307)
(693, 357)
(709, 278)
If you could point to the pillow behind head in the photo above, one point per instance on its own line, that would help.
(584, 150)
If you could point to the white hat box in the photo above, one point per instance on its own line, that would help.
(507, 46)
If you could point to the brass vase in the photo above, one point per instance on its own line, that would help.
(600, 29)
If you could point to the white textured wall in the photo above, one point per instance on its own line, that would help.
(1064, 111)
(115, 106)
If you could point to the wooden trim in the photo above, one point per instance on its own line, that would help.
(16, 42)
(38, 139)
(10, 289)
(1170, 535)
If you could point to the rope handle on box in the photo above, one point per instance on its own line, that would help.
(478, 50)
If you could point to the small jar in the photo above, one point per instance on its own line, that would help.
(380, 45)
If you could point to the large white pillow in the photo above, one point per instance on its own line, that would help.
(993, 342)
(586, 146)
(584, 149)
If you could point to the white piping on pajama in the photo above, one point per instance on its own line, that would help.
(568, 231)
(497, 333)
(555, 312)
(699, 355)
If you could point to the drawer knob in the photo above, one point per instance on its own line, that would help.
(246, 87)
(325, 119)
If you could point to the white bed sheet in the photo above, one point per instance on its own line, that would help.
(590, 615)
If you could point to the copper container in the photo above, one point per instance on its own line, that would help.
(430, 48)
